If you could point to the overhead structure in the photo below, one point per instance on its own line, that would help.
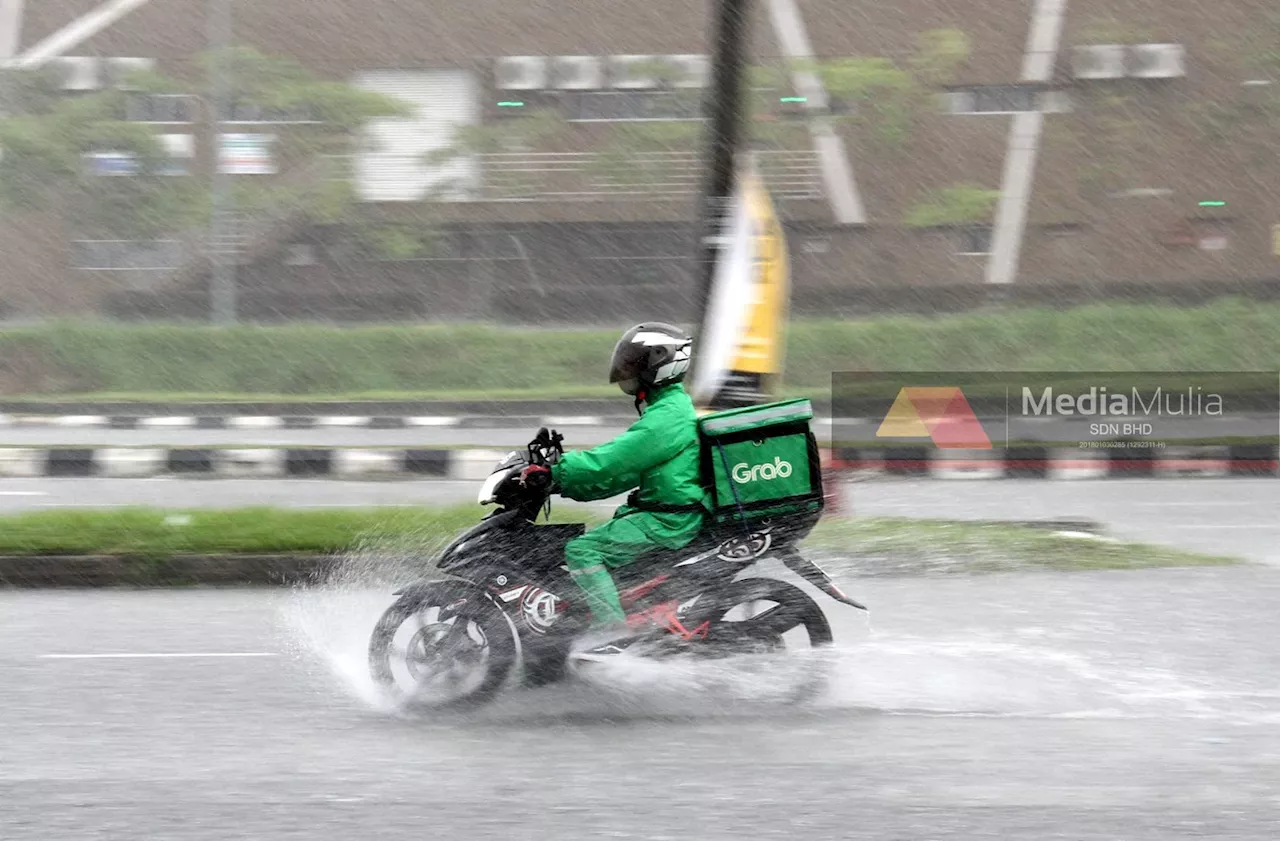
(1047, 23)
(77, 32)
(833, 159)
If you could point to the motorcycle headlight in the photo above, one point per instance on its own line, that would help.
(490, 487)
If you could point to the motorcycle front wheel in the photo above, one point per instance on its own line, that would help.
(442, 651)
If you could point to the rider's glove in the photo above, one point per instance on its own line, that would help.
(536, 476)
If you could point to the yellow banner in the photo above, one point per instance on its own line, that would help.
(738, 360)
(760, 348)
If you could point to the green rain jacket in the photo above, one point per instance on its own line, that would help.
(658, 455)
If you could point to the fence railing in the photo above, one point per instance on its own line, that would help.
(582, 176)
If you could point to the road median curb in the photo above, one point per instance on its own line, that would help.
(472, 464)
(269, 416)
(64, 571)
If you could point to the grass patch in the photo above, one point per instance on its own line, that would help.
(157, 534)
(872, 546)
(894, 546)
(190, 362)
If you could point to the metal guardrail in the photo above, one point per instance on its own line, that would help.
(596, 176)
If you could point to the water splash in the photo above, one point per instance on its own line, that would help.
(1009, 669)
(326, 624)
(985, 676)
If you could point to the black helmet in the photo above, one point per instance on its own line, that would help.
(650, 355)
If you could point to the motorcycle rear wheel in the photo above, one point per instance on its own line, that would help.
(764, 616)
(770, 609)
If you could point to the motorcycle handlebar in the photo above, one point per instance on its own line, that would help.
(546, 447)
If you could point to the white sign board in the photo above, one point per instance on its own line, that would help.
(246, 154)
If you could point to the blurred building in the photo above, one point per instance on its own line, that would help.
(1055, 150)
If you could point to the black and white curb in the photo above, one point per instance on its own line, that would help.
(310, 421)
(248, 463)
(475, 464)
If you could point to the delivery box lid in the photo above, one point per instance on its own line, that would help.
(756, 417)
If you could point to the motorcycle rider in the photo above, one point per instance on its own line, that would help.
(657, 456)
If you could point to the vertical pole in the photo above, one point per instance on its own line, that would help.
(222, 285)
(724, 111)
(10, 28)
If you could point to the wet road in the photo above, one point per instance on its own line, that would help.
(1125, 705)
(1225, 516)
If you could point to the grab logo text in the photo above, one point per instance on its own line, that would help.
(743, 472)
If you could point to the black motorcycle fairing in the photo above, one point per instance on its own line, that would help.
(523, 546)
(518, 567)
(450, 594)
(500, 519)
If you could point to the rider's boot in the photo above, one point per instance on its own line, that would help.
(605, 642)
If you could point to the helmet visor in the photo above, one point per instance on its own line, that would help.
(630, 385)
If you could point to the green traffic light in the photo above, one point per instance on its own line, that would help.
(1213, 204)
(511, 103)
(795, 99)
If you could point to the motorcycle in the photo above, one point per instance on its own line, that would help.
(501, 598)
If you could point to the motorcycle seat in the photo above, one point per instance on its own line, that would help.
(708, 539)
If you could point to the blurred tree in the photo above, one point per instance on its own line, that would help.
(51, 140)
(1251, 116)
(960, 204)
(29, 92)
(1106, 29)
(515, 134)
(770, 132)
(528, 132)
(940, 53)
(883, 98)
(49, 154)
(1116, 133)
(642, 154)
(399, 242)
(872, 92)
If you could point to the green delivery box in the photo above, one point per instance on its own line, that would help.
(761, 461)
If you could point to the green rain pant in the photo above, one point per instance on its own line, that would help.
(616, 544)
